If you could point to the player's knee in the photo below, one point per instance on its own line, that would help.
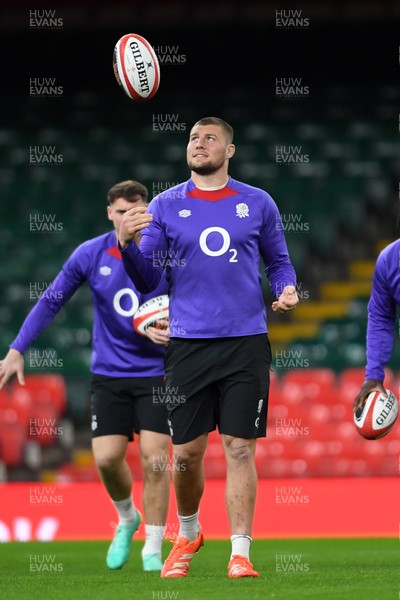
(108, 461)
(240, 450)
(186, 458)
(155, 464)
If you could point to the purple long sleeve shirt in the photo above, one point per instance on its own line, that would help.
(385, 296)
(210, 244)
(118, 351)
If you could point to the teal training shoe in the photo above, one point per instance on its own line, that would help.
(152, 562)
(118, 552)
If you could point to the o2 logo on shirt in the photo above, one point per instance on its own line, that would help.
(133, 299)
(226, 242)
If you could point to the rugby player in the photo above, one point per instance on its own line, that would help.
(385, 297)
(127, 377)
(214, 230)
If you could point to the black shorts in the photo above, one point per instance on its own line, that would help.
(121, 406)
(220, 382)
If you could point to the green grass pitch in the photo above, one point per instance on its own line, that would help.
(329, 569)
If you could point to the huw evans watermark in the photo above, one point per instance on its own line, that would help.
(44, 563)
(170, 55)
(168, 123)
(45, 19)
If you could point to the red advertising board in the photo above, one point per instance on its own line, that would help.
(351, 507)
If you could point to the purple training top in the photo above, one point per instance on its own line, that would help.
(210, 243)
(118, 351)
(385, 296)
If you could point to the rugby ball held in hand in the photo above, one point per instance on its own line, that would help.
(377, 415)
(149, 313)
(136, 67)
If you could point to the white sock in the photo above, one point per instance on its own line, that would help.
(241, 545)
(154, 538)
(126, 511)
(189, 526)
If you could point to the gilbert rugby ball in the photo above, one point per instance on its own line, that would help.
(136, 67)
(377, 415)
(150, 313)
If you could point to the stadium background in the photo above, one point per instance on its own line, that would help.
(337, 192)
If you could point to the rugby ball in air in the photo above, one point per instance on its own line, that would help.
(150, 313)
(377, 415)
(136, 67)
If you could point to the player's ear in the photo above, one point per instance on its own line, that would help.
(109, 212)
(230, 151)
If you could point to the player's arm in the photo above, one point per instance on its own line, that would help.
(380, 333)
(278, 267)
(142, 263)
(41, 315)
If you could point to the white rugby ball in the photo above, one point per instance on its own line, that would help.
(150, 313)
(136, 67)
(377, 415)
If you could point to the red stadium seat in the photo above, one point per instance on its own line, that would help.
(323, 431)
(278, 467)
(45, 389)
(12, 437)
(44, 426)
(299, 467)
(314, 448)
(333, 447)
(392, 446)
(214, 467)
(20, 407)
(314, 468)
(334, 466)
(322, 376)
(340, 411)
(8, 415)
(371, 449)
(214, 450)
(292, 392)
(354, 450)
(348, 391)
(290, 449)
(313, 385)
(327, 395)
(269, 449)
(4, 395)
(276, 411)
(319, 414)
(347, 431)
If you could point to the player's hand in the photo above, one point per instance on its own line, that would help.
(159, 335)
(287, 300)
(12, 364)
(134, 220)
(369, 385)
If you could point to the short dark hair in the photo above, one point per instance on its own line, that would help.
(127, 189)
(226, 128)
